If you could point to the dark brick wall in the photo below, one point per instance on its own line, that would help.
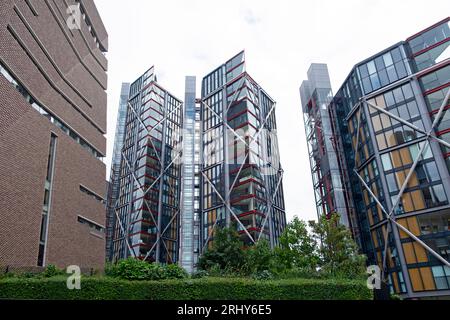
(66, 72)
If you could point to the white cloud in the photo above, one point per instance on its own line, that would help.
(281, 39)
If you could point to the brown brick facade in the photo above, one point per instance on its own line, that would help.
(65, 71)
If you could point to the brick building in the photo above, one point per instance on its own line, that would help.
(52, 126)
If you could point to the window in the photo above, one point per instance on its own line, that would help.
(47, 201)
(433, 56)
(441, 276)
(383, 70)
(90, 224)
(436, 78)
(431, 37)
(436, 222)
(91, 194)
(391, 181)
(401, 103)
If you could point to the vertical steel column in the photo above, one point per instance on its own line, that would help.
(161, 181)
(132, 169)
(226, 164)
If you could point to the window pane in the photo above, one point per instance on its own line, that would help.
(386, 159)
(388, 59)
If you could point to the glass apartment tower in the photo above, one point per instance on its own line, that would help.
(187, 170)
(114, 179)
(241, 175)
(392, 136)
(147, 210)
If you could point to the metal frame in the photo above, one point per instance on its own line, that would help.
(247, 153)
(424, 144)
(125, 227)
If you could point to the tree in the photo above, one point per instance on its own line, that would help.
(297, 249)
(226, 252)
(338, 252)
(259, 258)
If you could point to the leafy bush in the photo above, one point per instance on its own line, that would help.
(173, 271)
(300, 273)
(327, 251)
(199, 274)
(259, 258)
(226, 252)
(52, 271)
(263, 275)
(107, 288)
(135, 269)
(297, 248)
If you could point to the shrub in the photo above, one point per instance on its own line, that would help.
(226, 252)
(174, 271)
(262, 275)
(135, 269)
(106, 288)
(259, 258)
(297, 248)
(199, 274)
(52, 271)
(300, 273)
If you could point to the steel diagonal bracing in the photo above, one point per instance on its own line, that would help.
(412, 235)
(228, 207)
(235, 96)
(159, 238)
(406, 123)
(270, 204)
(221, 119)
(128, 225)
(132, 170)
(357, 133)
(247, 153)
(390, 217)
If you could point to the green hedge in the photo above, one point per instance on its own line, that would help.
(105, 288)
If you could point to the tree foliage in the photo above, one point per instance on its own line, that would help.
(226, 252)
(297, 249)
(338, 252)
(320, 249)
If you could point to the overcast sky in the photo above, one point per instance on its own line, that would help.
(281, 39)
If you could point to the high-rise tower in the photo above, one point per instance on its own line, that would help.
(147, 210)
(226, 172)
(393, 137)
(241, 174)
